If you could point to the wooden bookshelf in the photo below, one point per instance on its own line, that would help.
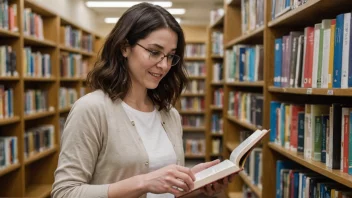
(243, 124)
(257, 191)
(7, 33)
(40, 155)
(312, 91)
(214, 84)
(259, 84)
(249, 37)
(6, 121)
(318, 167)
(193, 129)
(38, 190)
(9, 169)
(233, 35)
(296, 20)
(33, 177)
(192, 60)
(39, 115)
(235, 195)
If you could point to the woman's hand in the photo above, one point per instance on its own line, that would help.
(215, 187)
(172, 179)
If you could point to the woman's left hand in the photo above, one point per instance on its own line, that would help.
(215, 187)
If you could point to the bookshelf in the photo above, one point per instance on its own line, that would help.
(32, 176)
(215, 86)
(192, 102)
(295, 19)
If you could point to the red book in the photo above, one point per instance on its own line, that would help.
(308, 58)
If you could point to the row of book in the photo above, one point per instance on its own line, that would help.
(8, 16)
(244, 63)
(192, 121)
(67, 96)
(319, 57)
(194, 147)
(36, 101)
(73, 65)
(8, 151)
(196, 68)
(218, 97)
(247, 107)
(319, 132)
(6, 102)
(218, 72)
(33, 24)
(216, 123)
(193, 104)
(74, 38)
(293, 180)
(36, 64)
(252, 15)
(195, 50)
(253, 167)
(280, 7)
(217, 41)
(62, 121)
(7, 61)
(195, 86)
(38, 139)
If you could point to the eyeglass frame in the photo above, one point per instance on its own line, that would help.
(164, 55)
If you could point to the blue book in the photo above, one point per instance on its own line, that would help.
(338, 51)
(273, 119)
(242, 62)
(279, 166)
(278, 62)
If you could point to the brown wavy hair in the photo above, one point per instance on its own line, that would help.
(110, 72)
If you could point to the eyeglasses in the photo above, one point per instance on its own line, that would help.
(158, 56)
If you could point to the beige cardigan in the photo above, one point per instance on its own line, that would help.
(100, 146)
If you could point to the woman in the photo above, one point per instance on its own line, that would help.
(125, 139)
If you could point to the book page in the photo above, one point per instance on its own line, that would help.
(241, 149)
(214, 169)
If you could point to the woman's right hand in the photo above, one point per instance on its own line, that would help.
(166, 179)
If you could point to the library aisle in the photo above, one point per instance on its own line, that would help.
(283, 65)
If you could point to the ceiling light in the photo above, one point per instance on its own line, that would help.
(111, 20)
(124, 4)
(176, 11)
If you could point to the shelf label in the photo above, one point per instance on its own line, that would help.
(330, 92)
(309, 91)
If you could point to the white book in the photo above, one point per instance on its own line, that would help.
(316, 54)
(326, 26)
(230, 166)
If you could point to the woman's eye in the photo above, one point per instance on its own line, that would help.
(154, 53)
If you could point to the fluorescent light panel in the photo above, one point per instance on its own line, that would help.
(176, 11)
(111, 19)
(124, 4)
(115, 19)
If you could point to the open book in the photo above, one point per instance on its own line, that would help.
(231, 166)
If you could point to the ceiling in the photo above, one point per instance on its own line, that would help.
(197, 11)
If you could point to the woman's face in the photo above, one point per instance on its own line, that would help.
(146, 62)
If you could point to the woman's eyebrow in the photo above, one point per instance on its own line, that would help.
(161, 47)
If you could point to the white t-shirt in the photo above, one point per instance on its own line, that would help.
(155, 140)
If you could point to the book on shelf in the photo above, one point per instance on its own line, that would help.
(230, 166)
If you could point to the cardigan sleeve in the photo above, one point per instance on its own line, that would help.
(81, 142)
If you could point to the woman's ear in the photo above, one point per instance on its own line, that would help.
(125, 49)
